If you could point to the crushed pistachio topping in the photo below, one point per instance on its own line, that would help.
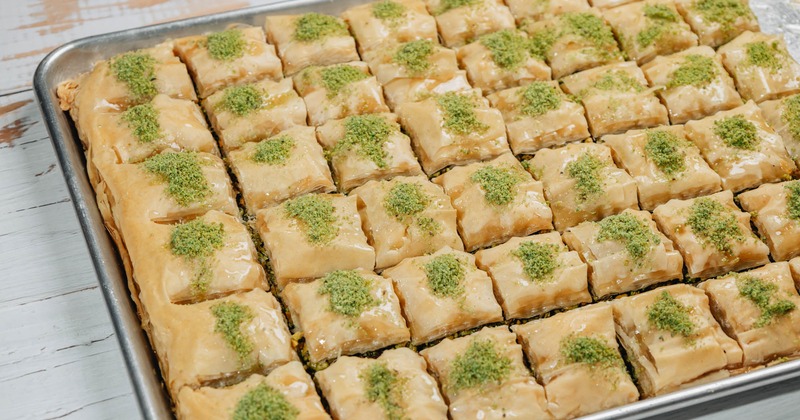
(405, 199)
(480, 364)
(793, 199)
(459, 114)
(337, 78)
(663, 148)
(714, 224)
(274, 151)
(137, 71)
(659, 18)
(445, 275)
(541, 42)
(723, 12)
(388, 10)
(737, 132)
(454, 4)
(764, 295)
(315, 26)
(539, 261)
(696, 70)
(143, 122)
(414, 55)
(509, 48)
(196, 241)
(619, 81)
(242, 100)
(226, 45)
(429, 226)
(538, 98)
(631, 231)
(183, 174)
(264, 403)
(230, 317)
(668, 314)
(587, 171)
(348, 292)
(591, 28)
(315, 213)
(791, 115)
(384, 386)
(768, 56)
(499, 185)
(589, 351)
(367, 135)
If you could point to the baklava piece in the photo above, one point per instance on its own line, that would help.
(322, 228)
(402, 90)
(616, 98)
(776, 214)
(741, 147)
(442, 294)
(345, 312)
(650, 28)
(483, 376)
(338, 91)
(462, 21)
(544, 9)
(366, 147)
(396, 385)
(581, 183)
(718, 21)
(312, 39)
(695, 84)
(220, 340)
(625, 252)
(501, 60)
(575, 355)
(758, 308)
(455, 128)
(389, 21)
(281, 167)
(253, 112)
(287, 392)
(235, 56)
(783, 115)
(539, 115)
(712, 234)
(535, 275)
(495, 200)
(573, 41)
(420, 59)
(664, 164)
(406, 217)
(761, 66)
(672, 339)
(205, 258)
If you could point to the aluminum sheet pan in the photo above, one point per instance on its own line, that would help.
(71, 59)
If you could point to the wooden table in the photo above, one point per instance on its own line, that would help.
(59, 356)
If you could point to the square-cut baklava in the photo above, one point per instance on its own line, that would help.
(535, 274)
(581, 183)
(695, 84)
(419, 59)
(575, 355)
(367, 147)
(540, 115)
(281, 167)
(672, 339)
(775, 209)
(345, 312)
(383, 22)
(402, 90)
(406, 217)
(664, 164)
(759, 309)
(712, 234)
(495, 200)
(460, 22)
(483, 376)
(544, 9)
(322, 228)
(454, 128)
(442, 294)
(616, 98)
(783, 115)
(718, 21)
(741, 147)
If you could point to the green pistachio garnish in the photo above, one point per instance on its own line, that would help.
(631, 231)
(723, 12)
(587, 171)
(509, 48)
(385, 387)
(499, 185)
(230, 318)
(137, 71)
(445, 275)
(227, 45)
(337, 78)
(696, 70)
(196, 241)
(539, 261)
(619, 81)
(388, 10)
(349, 293)
(714, 224)
(454, 4)
(480, 364)
(264, 403)
(541, 42)
(405, 200)
(768, 56)
(538, 98)
(314, 27)
(763, 294)
(591, 28)
(459, 114)
(242, 100)
(737, 132)
(659, 17)
(429, 226)
(590, 351)
(414, 56)
(143, 122)
(366, 135)
(668, 314)
(274, 151)
(663, 148)
(793, 199)
(183, 174)
(315, 214)
(791, 115)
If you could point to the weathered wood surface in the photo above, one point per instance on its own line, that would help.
(58, 353)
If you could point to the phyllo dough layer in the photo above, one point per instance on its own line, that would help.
(460, 22)
(312, 39)
(389, 21)
(776, 214)
(716, 23)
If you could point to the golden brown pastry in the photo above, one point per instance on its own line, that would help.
(717, 22)
(389, 21)
(776, 213)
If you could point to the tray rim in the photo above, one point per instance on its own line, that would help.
(138, 355)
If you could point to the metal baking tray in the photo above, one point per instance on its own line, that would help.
(73, 58)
